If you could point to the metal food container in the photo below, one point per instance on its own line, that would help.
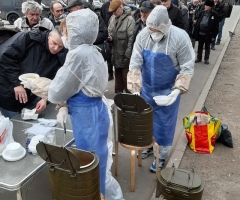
(134, 120)
(73, 173)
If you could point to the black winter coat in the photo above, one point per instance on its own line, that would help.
(25, 52)
(191, 8)
(212, 29)
(222, 10)
(175, 15)
(105, 14)
(138, 27)
(102, 31)
(51, 18)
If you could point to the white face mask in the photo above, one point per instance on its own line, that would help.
(65, 42)
(157, 36)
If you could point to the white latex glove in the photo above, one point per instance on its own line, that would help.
(62, 115)
(27, 83)
(137, 93)
(173, 96)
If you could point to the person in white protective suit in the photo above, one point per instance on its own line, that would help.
(82, 82)
(162, 63)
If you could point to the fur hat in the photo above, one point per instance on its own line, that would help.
(114, 5)
(209, 3)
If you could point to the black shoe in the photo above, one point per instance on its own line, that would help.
(206, 62)
(110, 77)
(213, 48)
(217, 43)
(198, 60)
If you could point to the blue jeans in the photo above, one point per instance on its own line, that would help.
(11, 114)
(8, 113)
(221, 24)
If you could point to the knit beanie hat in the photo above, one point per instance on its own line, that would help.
(114, 5)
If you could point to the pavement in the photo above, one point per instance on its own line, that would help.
(38, 188)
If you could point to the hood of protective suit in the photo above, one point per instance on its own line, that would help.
(158, 19)
(82, 28)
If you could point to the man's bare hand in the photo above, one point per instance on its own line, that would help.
(41, 106)
(20, 94)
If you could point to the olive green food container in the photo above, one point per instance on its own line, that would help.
(179, 184)
(73, 173)
(135, 120)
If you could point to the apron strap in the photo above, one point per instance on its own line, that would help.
(168, 40)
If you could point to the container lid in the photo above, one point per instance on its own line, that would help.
(130, 102)
(65, 158)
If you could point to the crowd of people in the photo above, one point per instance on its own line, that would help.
(148, 51)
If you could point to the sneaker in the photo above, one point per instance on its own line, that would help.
(213, 48)
(217, 43)
(206, 62)
(198, 60)
(146, 153)
(160, 167)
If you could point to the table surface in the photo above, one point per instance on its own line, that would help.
(15, 174)
(48, 113)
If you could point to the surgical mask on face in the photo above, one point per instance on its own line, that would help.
(157, 36)
(65, 42)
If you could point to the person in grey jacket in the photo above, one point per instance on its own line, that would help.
(120, 29)
(32, 19)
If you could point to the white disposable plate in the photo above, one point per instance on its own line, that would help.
(28, 75)
(7, 158)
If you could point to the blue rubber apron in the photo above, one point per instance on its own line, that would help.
(90, 123)
(159, 74)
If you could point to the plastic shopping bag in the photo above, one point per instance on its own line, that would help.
(202, 131)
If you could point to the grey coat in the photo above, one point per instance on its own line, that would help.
(122, 34)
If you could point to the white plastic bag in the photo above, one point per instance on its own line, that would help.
(6, 127)
(38, 129)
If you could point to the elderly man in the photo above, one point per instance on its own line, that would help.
(162, 64)
(191, 10)
(121, 26)
(27, 52)
(140, 24)
(174, 13)
(206, 31)
(32, 19)
(57, 13)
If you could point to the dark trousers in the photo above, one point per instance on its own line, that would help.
(190, 28)
(201, 41)
(110, 65)
(121, 80)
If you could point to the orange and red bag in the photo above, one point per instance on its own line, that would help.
(202, 131)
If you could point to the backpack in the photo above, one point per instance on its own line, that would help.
(6, 33)
(230, 7)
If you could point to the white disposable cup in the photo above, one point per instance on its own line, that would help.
(14, 150)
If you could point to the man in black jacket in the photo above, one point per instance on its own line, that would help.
(140, 24)
(206, 30)
(191, 10)
(222, 12)
(106, 15)
(174, 14)
(35, 51)
(57, 13)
